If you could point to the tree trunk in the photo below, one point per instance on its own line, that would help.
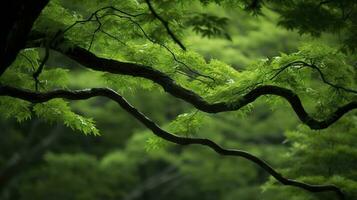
(17, 18)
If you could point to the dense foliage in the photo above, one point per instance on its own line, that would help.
(274, 78)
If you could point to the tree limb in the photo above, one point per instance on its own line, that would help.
(90, 60)
(37, 97)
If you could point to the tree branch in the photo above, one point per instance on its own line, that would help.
(39, 70)
(312, 66)
(130, 17)
(162, 45)
(91, 61)
(165, 24)
(37, 97)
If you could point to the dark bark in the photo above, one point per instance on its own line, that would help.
(37, 97)
(17, 18)
(90, 60)
(14, 34)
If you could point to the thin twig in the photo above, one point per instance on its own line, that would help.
(312, 66)
(164, 46)
(28, 60)
(39, 70)
(165, 24)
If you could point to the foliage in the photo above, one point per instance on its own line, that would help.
(324, 157)
(232, 48)
(210, 25)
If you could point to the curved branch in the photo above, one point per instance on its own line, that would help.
(165, 24)
(91, 61)
(312, 66)
(37, 97)
(129, 17)
(162, 45)
(95, 14)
